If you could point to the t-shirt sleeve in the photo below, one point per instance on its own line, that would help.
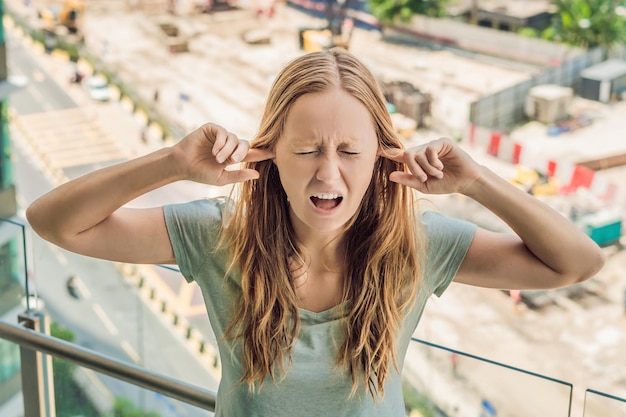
(194, 230)
(447, 242)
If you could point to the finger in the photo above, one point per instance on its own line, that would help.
(240, 151)
(394, 154)
(423, 159)
(238, 175)
(257, 155)
(220, 136)
(226, 152)
(416, 168)
(433, 158)
(407, 179)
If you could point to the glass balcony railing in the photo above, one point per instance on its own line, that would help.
(455, 383)
(439, 382)
(59, 377)
(116, 365)
(599, 404)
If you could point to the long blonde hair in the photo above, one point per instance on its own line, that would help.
(381, 241)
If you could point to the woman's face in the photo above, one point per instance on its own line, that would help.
(325, 157)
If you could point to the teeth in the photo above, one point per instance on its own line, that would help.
(326, 196)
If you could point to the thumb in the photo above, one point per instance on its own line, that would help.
(239, 175)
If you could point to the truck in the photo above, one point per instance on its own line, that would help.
(69, 15)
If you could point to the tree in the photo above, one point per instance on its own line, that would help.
(123, 407)
(71, 401)
(388, 11)
(588, 23)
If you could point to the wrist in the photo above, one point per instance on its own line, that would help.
(481, 185)
(174, 162)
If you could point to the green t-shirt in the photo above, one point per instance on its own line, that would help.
(313, 385)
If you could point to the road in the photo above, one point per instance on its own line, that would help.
(109, 316)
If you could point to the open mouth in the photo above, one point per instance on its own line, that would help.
(326, 201)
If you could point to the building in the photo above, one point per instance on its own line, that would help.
(507, 15)
(605, 81)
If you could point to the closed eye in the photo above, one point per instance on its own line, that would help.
(306, 153)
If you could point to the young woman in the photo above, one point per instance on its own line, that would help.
(316, 272)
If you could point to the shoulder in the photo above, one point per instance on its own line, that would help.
(194, 229)
(197, 209)
(196, 223)
(447, 240)
(438, 226)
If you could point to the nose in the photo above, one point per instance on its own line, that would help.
(329, 168)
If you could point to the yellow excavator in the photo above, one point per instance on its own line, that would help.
(69, 15)
(535, 183)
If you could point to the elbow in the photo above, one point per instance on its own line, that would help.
(592, 264)
(36, 218)
(33, 218)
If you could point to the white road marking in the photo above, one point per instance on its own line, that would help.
(105, 319)
(97, 383)
(130, 351)
(82, 288)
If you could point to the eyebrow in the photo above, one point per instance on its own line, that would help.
(320, 143)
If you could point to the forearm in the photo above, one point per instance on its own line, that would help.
(549, 236)
(82, 203)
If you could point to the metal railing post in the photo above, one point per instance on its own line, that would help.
(36, 367)
(124, 371)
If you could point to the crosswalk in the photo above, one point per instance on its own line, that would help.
(69, 141)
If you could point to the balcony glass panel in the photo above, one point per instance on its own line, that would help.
(81, 391)
(448, 382)
(598, 404)
(139, 314)
(13, 269)
(11, 404)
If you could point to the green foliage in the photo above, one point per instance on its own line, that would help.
(388, 11)
(70, 399)
(528, 32)
(61, 332)
(588, 23)
(416, 401)
(123, 407)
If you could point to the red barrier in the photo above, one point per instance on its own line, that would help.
(494, 144)
(582, 177)
(517, 151)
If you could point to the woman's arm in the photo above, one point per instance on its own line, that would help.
(546, 251)
(86, 215)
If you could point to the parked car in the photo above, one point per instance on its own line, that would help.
(97, 87)
(34, 302)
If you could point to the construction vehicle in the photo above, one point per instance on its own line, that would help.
(68, 15)
(535, 183)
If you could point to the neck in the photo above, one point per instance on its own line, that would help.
(322, 250)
